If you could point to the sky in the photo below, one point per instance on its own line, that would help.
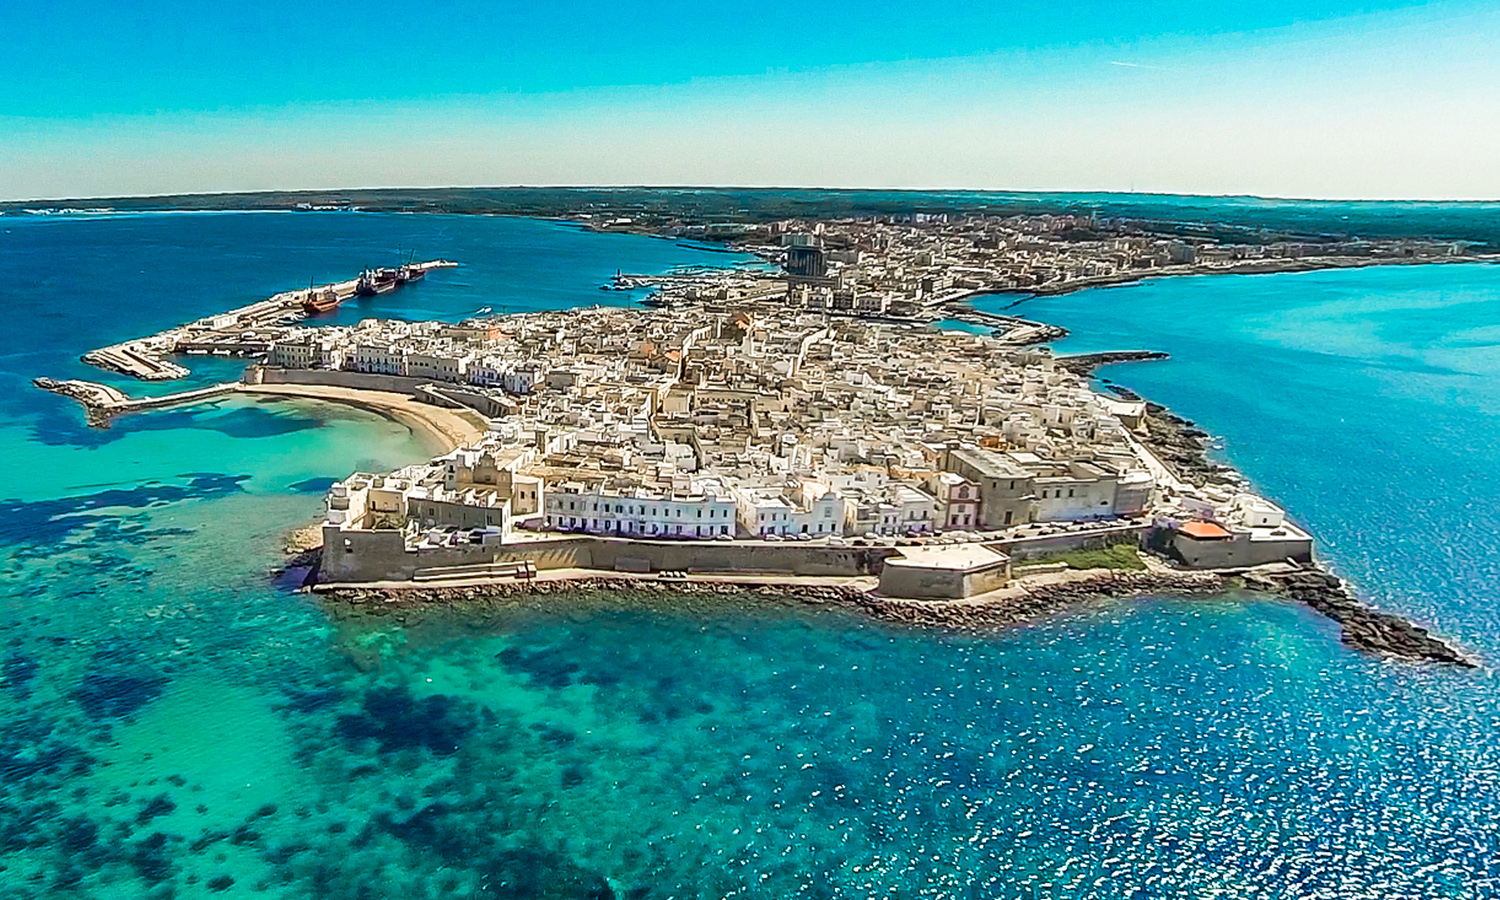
(1318, 98)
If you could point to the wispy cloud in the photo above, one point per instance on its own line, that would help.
(1131, 65)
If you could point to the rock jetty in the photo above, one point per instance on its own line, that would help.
(1036, 601)
(375, 598)
(1086, 363)
(1364, 628)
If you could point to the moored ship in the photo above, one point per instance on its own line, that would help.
(322, 301)
(377, 281)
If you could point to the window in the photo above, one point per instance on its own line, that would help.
(1070, 492)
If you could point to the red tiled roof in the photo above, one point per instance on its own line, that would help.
(1203, 531)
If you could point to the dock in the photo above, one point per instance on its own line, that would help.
(248, 331)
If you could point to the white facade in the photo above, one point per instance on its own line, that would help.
(487, 372)
(1257, 512)
(292, 355)
(1066, 499)
(438, 366)
(380, 359)
(765, 512)
(914, 510)
(800, 507)
(706, 510)
(519, 380)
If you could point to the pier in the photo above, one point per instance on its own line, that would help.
(249, 330)
(102, 402)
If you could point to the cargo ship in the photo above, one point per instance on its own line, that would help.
(376, 281)
(316, 302)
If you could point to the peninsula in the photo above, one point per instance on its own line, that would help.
(814, 426)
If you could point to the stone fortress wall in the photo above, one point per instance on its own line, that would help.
(353, 555)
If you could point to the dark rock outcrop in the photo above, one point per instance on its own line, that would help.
(1087, 363)
(1364, 628)
(1183, 447)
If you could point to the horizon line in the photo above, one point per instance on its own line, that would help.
(744, 187)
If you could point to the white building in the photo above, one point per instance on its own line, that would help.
(1088, 491)
(520, 380)
(801, 506)
(292, 354)
(380, 359)
(438, 365)
(914, 510)
(487, 371)
(689, 509)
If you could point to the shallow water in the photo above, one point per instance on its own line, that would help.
(174, 721)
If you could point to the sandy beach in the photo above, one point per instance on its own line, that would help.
(441, 428)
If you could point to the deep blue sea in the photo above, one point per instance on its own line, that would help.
(175, 722)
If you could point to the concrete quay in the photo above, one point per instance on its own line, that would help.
(143, 359)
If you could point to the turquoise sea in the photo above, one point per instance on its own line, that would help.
(175, 721)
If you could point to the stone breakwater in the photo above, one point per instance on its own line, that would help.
(378, 599)
(1036, 601)
(1088, 363)
(1364, 628)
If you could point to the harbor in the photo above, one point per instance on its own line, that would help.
(248, 330)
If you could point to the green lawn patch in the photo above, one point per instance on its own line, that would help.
(1119, 556)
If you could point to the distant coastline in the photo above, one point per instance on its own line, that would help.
(1239, 217)
(1255, 267)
